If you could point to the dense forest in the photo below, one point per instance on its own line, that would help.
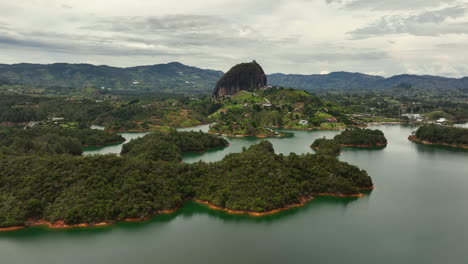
(361, 137)
(325, 146)
(88, 189)
(53, 140)
(443, 134)
(170, 146)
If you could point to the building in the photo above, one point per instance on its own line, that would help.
(31, 124)
(441, 120)
(303, 122)
(58, 119)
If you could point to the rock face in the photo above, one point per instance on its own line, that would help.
(244, 76)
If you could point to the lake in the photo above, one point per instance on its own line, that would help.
(418, 213)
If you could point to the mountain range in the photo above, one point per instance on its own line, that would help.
(171, 77)
(180, 78)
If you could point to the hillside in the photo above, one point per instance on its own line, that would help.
(63, 78)
(256, 113)
(171, 77)
(345, 81)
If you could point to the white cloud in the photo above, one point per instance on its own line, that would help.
(290, 36)
(450, 20)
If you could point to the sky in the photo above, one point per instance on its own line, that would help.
(379, 37)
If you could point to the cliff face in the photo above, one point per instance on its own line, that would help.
(244, 76)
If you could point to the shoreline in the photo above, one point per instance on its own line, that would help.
(364, 146)
(105, 145)
(60, 224)
(153, 130)
(245, 135)
(206, 149)
(127, 130)
(384, 123)
(303, 200)
(310, 128)
(317, 149)
(425, 142)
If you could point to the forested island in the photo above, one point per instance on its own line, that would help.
(63, 190)
(361, 137)
(170, 146)
(433, 134)
(352, 137)
(326, 146)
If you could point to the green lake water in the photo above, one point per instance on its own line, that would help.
(418, 213)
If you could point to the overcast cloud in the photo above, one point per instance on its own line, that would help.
(290, 36)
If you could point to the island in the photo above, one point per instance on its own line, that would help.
(62, 190)
(361, 137)
(434, 134)
(326, 146)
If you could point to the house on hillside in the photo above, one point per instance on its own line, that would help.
(58, 119)
(441, 120)
(303, 122)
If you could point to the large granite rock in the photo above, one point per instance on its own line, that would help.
(244, 76)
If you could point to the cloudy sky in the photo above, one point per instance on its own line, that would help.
(383, 37)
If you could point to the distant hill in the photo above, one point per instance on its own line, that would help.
(180, 78)
(171, 77)
(346, 81)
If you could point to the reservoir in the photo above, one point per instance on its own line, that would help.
(418, 213)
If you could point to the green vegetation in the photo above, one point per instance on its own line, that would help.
(86, 79)
(170, 146)
(325, 146)
(346, 82)
(389, 105)
(154, 112)
(259, 180)
(361, 137)
(53, 140)
(439, 114)
(257, 112)
(437, 134)
(107, 187)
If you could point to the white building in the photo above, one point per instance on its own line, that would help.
(303, 122)
(441, 120)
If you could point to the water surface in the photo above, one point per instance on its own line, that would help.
(417, 214)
